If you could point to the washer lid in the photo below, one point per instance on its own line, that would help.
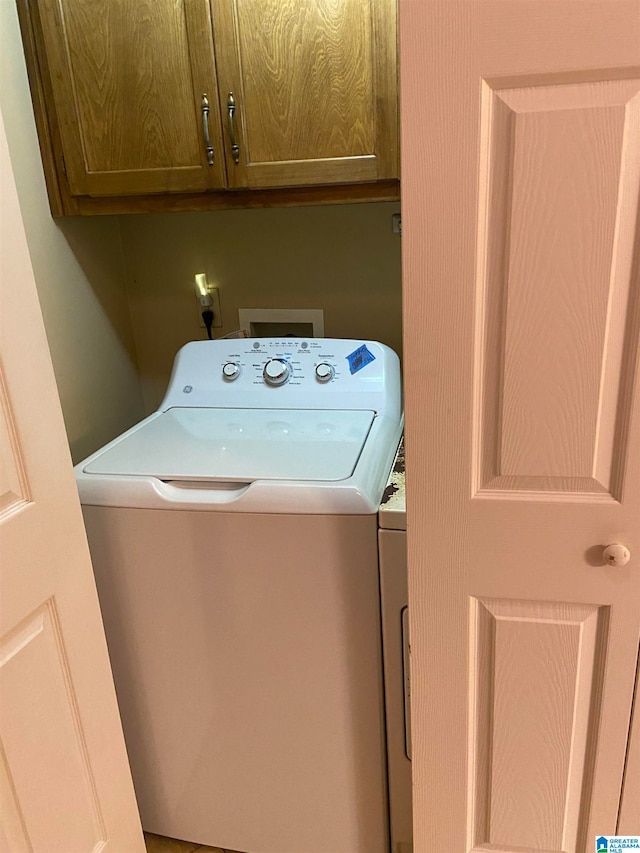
(239, 445)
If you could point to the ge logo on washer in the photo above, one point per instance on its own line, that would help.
(187, 389)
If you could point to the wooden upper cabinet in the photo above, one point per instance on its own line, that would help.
(315, 90)
(119, 89)
(128, 79)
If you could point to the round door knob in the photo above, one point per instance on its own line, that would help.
(616, 555)
(230, 371)
(276, 371)
(324, 372)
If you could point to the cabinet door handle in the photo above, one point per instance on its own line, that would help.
(235, 148)
(205, 129)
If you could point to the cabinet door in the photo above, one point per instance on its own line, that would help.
(128, 81)
(315, 90)
(521, 252)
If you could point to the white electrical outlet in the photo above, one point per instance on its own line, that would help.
(215, 307)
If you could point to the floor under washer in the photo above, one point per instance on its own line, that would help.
(234, 539)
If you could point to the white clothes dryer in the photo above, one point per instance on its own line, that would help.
(233, 535)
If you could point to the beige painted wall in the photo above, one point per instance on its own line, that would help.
(343, 259)
(79, 271)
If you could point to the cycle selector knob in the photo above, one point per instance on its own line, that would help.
(325, 372)
(230, 371)
(276, 371)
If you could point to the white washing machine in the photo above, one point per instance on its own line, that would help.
(233, 536)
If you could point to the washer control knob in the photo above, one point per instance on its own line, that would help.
(325, 372)
(276, 371)
(230, 371)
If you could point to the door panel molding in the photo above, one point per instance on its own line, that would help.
(545, 661)
(49, 778)
(551, 275)
(15, 494)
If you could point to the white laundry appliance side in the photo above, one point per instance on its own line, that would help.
(243, 612)
(253, 642)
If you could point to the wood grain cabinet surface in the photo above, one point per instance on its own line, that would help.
(315, 86)
(188, 99)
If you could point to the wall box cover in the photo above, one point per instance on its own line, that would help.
(281, 322)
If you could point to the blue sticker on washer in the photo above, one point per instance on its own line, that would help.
(360, 358)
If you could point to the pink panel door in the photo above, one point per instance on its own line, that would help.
(521, 183)
(65, 785)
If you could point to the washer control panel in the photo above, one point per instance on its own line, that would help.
(285, 373)
(277, 362)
